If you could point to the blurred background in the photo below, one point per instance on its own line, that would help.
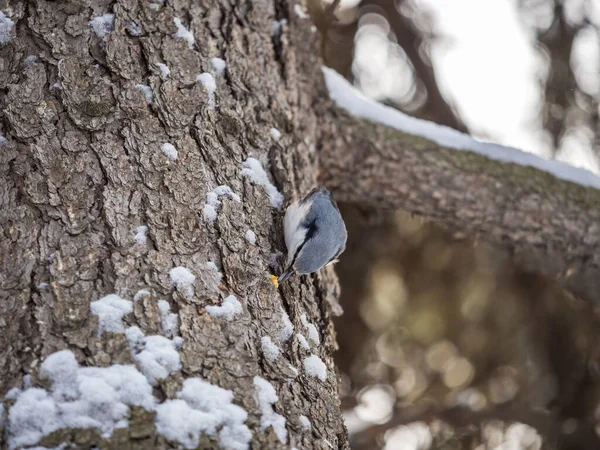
(443, 343)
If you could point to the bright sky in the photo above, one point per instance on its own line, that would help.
(487, 67)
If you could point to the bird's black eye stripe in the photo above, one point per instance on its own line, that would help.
(311, 230)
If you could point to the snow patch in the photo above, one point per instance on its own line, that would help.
(102, 25)
(350, 99)
(254, 169)
(200, 409)
(286, 332)
(141, 294)
(168, 320)
(110, 311)
(267, 396)
(293, 370)
(79, 397)
(184, 33)
(6, 26)
(157, 356)
(134, 29)
(164, 70)
(313, 333)
(269, 348)
(277, 25)
(314, 367)
(3, 141)
(140, 234)
(230, 308)
(169, 151)
(211, 207)
(305, 422)
(275, 133)
(303, 342)
(219, 65)
(146, 91)
(210, 86)
(250, 237)
(183, 280)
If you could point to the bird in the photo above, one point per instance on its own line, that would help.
(315, 233)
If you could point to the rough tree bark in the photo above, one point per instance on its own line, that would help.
(82, 168)
(549, 226)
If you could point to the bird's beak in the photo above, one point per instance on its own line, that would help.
(285, 275)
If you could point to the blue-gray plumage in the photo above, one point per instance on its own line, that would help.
(315, 233)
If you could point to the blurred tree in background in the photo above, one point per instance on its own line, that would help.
(444, 344)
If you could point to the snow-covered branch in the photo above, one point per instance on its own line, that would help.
(546, 213)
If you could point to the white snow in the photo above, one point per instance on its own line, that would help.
(267, 396)
(30, 59)
(286, 332)
(269, 348)
(157, 356)
(200, 409)
(164, 70)
(300, 11)
(79, 397)
(294, 371)
(313, 333)
(350, 99)
(140, 234)
(110, 311)
(140, 294)
(230, 308)
(303, 342)
(211, 207)
(102, 25)
(275, 133)
(250, 237)
(146, 91)
(6, 26)
(62, 446)
(134, 29)
(219, 65)
(273, 260)
(183, 280)
(3, 141)
(254, 169)
(168, 320)
(210, 86)
(314, 367)
(169, 151)
(209, 212)
(277, 24)
(305, 421)
(13, 393)
(184, 33)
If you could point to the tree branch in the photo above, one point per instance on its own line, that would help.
(550, 226)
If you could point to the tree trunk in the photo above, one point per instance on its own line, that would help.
(86, 109)
(128, 199)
